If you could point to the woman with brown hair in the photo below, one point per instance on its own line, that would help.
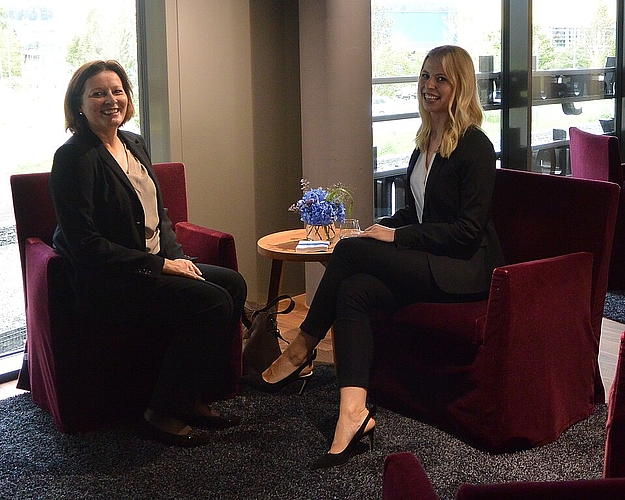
(124, 263)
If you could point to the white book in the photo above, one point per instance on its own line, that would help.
(312, 246)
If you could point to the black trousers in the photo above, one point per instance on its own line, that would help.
(364, 274)
(201, 319)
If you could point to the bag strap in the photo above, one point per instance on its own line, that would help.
(273, 303)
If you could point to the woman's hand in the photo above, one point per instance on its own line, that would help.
(182, 267)
(378, 232)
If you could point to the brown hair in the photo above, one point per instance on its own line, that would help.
(75, 121)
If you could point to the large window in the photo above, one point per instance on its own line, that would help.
(541, 69)
(573, 77)
(42, 42)
(402, 34)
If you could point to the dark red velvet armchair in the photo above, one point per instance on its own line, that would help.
(516, 370)
(88, 375)
(614, 457)
(598, 157)
(404, 478)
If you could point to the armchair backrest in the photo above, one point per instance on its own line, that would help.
(34, 211)
(595, 156)
(173, 181)
(539, 216)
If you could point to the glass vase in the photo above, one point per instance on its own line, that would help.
(320, 233)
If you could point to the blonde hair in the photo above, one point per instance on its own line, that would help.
(464, 109)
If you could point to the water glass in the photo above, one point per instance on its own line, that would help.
(350, 228)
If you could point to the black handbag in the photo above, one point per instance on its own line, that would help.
(261, 334)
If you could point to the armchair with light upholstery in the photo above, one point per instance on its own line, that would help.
(84, 374)
(513, 371)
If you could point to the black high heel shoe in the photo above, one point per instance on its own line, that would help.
(336, 459)
(257, 381)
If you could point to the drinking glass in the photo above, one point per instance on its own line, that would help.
(350, 228)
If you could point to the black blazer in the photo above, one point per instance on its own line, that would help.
(100, 220)
(457, 231)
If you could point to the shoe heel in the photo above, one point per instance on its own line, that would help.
(304, 380)
(371, 436)
(308, 374)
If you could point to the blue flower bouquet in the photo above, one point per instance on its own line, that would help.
(321, 208)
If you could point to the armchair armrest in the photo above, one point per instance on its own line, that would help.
(614, 457)
(405, 479)
(209, 246)
(541, 294)
(580, 489)
(539, 344)
(40, 260)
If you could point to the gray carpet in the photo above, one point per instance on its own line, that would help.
(265, 457)
(614, 307)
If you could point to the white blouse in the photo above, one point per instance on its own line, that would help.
(418, 180)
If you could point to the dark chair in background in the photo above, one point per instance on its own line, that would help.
(598, 157)
(516, 370)
(405, 479)
(614, 459)
(87, 375)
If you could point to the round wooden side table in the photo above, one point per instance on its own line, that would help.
(279, 247)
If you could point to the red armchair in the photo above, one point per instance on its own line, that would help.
(516, 370)
(598, 157)
(404, 477)
(614, 458)
(88, 375)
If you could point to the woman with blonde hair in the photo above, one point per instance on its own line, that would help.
(441, 247)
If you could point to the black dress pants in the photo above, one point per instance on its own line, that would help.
(364, 274)
(202, 317)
